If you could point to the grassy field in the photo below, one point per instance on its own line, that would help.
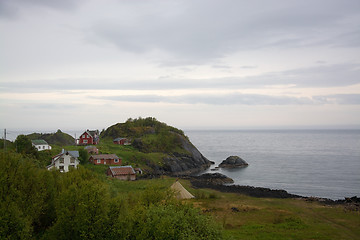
(244, 217)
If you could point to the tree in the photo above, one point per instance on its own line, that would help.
(82, 211)
(26, 197)
(24, 146)
(83, 156)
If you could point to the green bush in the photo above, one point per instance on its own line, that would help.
(42, 204)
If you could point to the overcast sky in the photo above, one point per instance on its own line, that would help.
(193, 64)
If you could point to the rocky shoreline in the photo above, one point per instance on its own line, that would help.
(218, 182)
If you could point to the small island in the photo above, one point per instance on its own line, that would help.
(233, 162)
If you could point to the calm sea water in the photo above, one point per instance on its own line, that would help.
(321, 163)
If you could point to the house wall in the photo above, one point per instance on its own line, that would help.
(105, 161)
(131, 177)
(120, 142)
(92, 150)
(127, 177)
(43, 147)
(67, 162)
(85, 139)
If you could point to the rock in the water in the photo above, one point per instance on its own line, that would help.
(233, 162)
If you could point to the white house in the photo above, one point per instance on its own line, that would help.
(64, 161)
(40, 145)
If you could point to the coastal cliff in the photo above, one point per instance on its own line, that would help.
(147, 135)
(185, 163)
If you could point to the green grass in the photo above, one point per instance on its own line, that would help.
(265, 218)
(257, 218)
(130, 155)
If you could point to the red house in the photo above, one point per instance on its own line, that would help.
(121, 141)
(122, 172)
(91, 149)
(107, 159)
(89, 138)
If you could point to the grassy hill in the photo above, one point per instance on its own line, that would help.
(155, 146)
(146, 134)
(58, 138)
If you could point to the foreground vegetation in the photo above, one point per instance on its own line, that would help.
(85, 204)
(81, 204)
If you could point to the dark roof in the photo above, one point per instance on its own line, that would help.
(74, 153)
(104, 156)
(92, 133)
(39, 142)
(122, 170)
(89, 147)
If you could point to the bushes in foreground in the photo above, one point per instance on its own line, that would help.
(36, 203)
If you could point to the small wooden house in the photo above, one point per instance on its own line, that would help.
(40, 145)
(107, 159)
(121, 141)
(91, 149)
(122, 172)
(89, 138)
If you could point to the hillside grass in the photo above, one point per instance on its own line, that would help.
(244, 217)
(130, 155)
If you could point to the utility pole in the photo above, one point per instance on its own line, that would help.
(5, 140)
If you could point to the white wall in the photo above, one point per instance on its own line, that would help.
(66, 163)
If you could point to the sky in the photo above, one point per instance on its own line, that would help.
(193, 64)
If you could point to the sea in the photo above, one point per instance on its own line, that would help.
(318, 163)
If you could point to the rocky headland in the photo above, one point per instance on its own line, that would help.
(178, 156)
(187, 163)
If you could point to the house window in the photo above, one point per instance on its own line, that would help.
(72, 160)
(61, 168)
(116, 160)
(85, 141)
(98, 161)
(61, 160)
(43, 147)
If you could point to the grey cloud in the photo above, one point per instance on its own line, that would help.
(194, 36)
(342, 99)
(213, 99)
(318, 76)
(237, 98)
(11, 9)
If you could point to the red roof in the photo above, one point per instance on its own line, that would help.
(122, 170)
(104, 156)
